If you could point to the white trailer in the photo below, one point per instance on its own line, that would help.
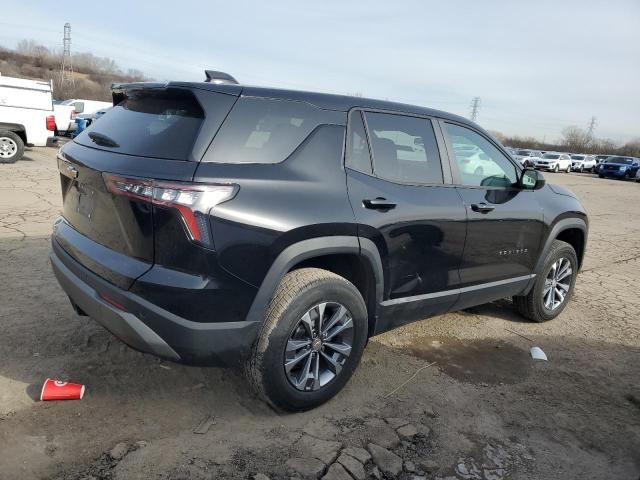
(26, 116)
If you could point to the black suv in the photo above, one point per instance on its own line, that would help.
(213, 223)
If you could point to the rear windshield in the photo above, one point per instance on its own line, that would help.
(263, 130)
(148, 123)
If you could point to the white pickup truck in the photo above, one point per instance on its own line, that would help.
(26, 116)
(67, 110)
(86, 107)
(65, 118)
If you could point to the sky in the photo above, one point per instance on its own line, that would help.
(538, 67)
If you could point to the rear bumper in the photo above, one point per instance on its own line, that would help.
(145, 326)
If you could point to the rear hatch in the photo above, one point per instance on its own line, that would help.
(109, 173)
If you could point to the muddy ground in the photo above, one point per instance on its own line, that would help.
(485, 410)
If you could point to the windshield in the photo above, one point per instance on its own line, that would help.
(552, 156)
(577, 157)
(621, 160)
(523, 152)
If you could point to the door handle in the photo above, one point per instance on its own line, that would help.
(378, 204)
(482, 207)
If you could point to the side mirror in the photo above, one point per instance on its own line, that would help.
(79, 107)
(531, 179)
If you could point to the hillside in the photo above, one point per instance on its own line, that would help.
(93, 75)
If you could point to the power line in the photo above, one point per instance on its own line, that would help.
(475, 107)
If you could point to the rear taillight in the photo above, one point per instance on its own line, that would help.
(51, 123)
(73, 115)
(193, 202)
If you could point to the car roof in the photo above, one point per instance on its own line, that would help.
(326, 101)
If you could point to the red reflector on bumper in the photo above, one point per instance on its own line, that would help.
(112, 302)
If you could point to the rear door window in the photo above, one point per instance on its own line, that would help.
(263, 130)
(148, 123)
(404, 148)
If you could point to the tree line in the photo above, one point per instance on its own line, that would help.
(92, 75)
(574, 140)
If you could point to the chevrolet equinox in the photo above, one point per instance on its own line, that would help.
(215, 223)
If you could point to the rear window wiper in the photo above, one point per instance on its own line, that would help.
(103, 140)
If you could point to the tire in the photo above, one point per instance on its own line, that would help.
(11, 147)
(298, 295)
(600, 175)
(569, 168)
(556, 168)
(533, 306)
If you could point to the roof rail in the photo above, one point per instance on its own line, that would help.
(219, 77)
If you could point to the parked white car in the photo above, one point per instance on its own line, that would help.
(554, 161)
(583, 163)
(477, 163)
(528, 158)
(519, 154)
(26, 116)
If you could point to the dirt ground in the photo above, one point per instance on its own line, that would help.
(485, 410)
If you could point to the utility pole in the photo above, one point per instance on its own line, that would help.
(592, 126)
(66, 68)
(475, 108)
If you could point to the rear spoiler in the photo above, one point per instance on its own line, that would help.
(219, 77)
(118, 89)
(216, 81)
